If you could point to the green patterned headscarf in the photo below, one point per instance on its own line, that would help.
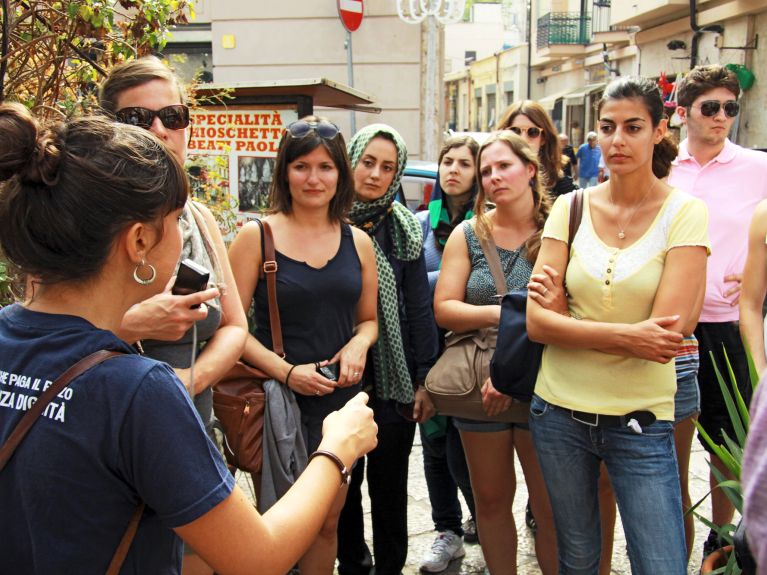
(390, 367)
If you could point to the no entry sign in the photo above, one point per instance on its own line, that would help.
(350, 12)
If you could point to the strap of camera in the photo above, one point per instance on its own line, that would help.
(32, 415)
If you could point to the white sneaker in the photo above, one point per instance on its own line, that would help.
(446, 547)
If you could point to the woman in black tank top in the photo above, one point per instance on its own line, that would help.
(326, 290)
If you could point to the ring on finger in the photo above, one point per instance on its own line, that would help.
(545, 290)
(316, 392)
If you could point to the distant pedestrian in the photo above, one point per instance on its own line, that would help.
(571, 169)
(588, 161)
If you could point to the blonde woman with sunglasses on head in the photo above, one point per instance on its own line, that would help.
(326, 291)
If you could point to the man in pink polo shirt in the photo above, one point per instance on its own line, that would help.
(731, 180)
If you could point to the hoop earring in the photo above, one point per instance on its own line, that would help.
(150, 279)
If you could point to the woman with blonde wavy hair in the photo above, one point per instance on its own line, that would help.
(508, 176)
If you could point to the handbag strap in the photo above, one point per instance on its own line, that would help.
(576, 215)
(269, 268)
(32, 415)
(494, 262)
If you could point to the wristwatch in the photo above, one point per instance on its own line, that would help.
(346, 476)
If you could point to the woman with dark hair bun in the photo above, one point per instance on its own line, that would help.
(90, 210)
(606, 387)
(530, 120)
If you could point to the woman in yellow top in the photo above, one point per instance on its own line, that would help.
(754, 289)
(605, 390)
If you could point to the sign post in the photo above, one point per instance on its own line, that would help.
(350, 12)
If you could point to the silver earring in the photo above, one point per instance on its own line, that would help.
(150, 279)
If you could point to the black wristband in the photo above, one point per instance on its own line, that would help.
(287, 377)
(346, 477)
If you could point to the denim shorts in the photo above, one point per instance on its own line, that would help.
(687, 398)
(486, 426)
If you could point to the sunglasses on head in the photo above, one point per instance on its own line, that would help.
(172, 117)
(532, 131)
(301, 128)
(711, 108)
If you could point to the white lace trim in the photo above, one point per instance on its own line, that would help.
(595, 256)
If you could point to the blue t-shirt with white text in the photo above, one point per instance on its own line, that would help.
(121, 433)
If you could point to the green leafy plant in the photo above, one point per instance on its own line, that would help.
(8, 284)
(54, 52)
(730, 453)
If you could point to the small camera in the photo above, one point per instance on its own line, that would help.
(191, 278)
(329, 371)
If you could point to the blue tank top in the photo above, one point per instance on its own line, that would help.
(317, 312)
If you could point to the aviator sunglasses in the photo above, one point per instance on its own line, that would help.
(532, 131)
(711, 108)
(301, 128)
(172, 117)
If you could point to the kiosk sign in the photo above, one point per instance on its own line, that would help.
(350, 12)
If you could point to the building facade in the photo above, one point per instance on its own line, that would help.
(577, 46)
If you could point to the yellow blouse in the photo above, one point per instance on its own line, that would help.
(608, 284)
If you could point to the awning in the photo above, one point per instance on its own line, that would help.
(577, 98)
(548, 102)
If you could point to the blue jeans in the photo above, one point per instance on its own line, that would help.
(644, 474)
(446, 471)
(587, 182)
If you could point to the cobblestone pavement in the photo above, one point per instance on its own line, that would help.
(421, 534)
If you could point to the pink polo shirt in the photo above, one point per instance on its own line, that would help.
(731, 185)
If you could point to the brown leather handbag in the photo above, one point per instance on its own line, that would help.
(31, 416)
(238, 397)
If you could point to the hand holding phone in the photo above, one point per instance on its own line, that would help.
(329, 371)
(191, 278)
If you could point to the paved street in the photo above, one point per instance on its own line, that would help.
(421, 532)
(420, 525)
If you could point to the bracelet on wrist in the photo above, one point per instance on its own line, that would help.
(287, 377)
(346, 476)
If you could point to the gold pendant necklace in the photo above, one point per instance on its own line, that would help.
(622, 228)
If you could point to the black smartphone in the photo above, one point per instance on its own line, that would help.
(329, 371)
(191, 278)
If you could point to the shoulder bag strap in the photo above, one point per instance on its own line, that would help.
(269, 259)
(494, 261)
(33, 413)
(576, 214)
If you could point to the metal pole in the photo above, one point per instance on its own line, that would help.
(350, 74)
(432, 73)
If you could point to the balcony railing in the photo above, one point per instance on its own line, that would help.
(563, 28)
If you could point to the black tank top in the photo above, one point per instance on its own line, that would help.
(317, 312)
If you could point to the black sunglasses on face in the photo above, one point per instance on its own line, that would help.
(711, 108)
(532, 131)
(172, 117)
(301, 128)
